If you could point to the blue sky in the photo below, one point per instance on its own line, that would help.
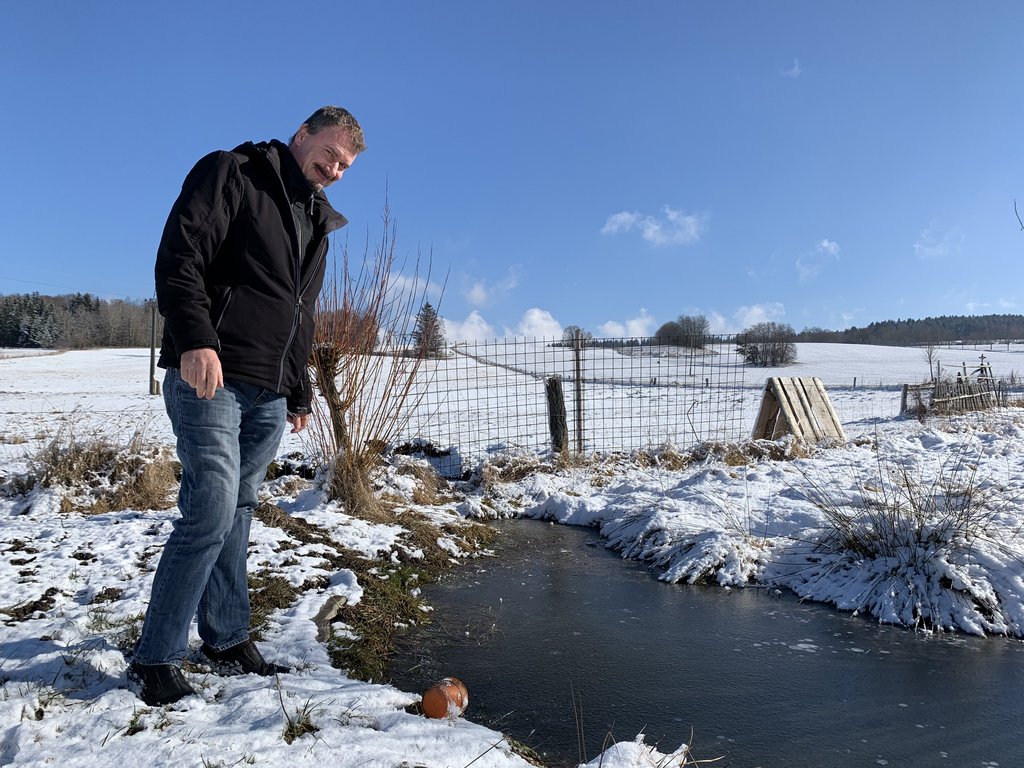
(608, 165)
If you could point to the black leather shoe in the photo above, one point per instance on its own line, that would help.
(242, 659)
(161, 683)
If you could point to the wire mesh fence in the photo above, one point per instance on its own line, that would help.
(618, 395)
(481, 399)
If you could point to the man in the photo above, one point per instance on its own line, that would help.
(238, 271)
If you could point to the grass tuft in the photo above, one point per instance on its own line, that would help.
(99, 476)
(912, 544)
(268, 592)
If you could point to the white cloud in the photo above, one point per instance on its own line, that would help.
(473, 328)
(831, 247)
(481, 292)
(808, 265)
(671, 228)
(409, 285)
(477, 294)
(640, 325)
(612, 330)
(794, 71)
(717, 323)
(620, 222)
(759, 313)
(536, 323)
(932, 244)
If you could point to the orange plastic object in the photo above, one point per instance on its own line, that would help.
(447, 698)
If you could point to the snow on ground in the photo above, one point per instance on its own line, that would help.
(81, 580)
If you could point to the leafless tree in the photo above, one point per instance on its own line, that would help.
(361, 369)
(930, 355)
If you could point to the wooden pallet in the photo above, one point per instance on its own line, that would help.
(797, 406)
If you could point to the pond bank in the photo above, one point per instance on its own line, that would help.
(556, 624)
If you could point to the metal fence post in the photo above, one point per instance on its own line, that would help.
(577, 353)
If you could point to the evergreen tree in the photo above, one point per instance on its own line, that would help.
(428, 335)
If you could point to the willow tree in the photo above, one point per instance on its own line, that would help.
(364, 316)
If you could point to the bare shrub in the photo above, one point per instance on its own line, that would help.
(768, 344)
(361, 371)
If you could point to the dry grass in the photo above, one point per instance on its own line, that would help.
(735, 454)
(98, 475)
(268, 592)
(510, 468)
(42, 604)
(388, 604)
(301, 723)
(899, 515)
(431, 489)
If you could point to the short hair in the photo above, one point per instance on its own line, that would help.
(332, 117)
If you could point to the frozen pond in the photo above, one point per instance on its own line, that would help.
(752, 676)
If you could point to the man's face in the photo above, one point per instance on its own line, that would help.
(323, 156)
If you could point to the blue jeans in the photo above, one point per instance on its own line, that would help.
(224, 445)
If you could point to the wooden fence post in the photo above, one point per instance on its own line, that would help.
(154, 385)
(557, 421)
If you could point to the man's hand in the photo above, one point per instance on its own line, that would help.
(201, 369)
(298, 421)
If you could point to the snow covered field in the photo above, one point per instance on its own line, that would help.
(725, 519)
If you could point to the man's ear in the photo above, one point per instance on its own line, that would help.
(300, 134)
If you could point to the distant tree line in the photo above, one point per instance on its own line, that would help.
(74, 321)
(931, 330)
(689, 330)
(81, 320)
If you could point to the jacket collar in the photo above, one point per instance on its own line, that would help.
(296, 186)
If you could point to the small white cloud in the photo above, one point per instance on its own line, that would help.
(480, 292)
(536, 323)
(759, 313)
(831, 247)
(415, 285)
(612, 330)
(640, 325)
(794, 71)
(717, 323)
(672, 227)
(477, 294)
(808, 265)
(620, 222)
(473, 328)
(933, 244)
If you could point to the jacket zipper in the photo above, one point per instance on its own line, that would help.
(223, 309)
(299, 289)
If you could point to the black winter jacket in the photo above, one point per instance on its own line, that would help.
(228, 272)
